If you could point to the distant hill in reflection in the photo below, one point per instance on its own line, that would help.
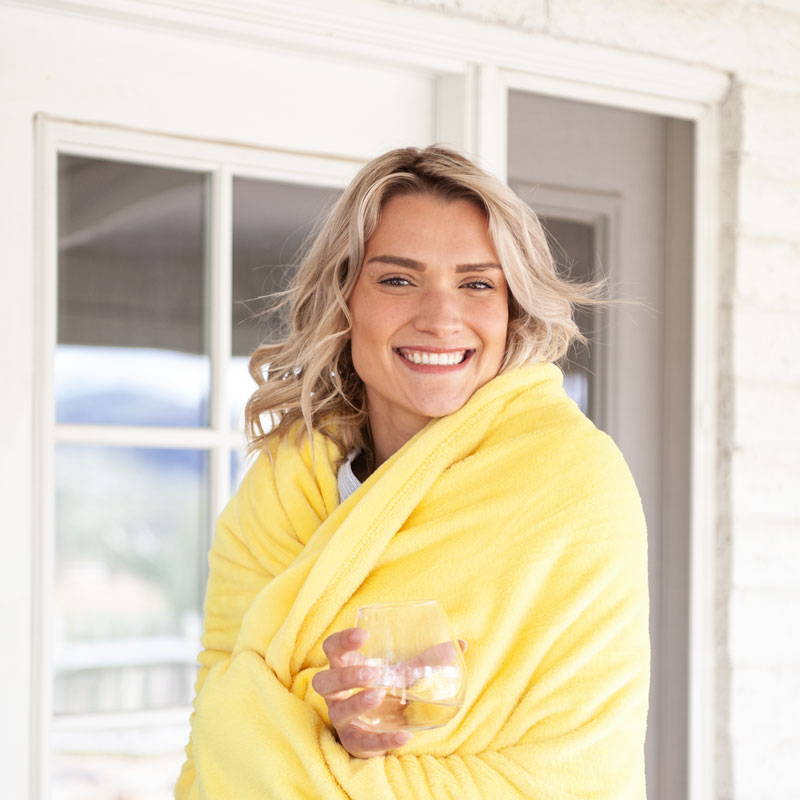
(129, 408)
(134, 408)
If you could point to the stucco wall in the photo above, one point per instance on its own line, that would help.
(758, 535)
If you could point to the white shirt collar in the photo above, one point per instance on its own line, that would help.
(346, 478)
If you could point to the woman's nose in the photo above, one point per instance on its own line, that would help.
(438, 313)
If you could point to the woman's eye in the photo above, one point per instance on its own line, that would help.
(479, 285)
(396, 281)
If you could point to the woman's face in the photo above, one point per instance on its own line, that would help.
(430, 311)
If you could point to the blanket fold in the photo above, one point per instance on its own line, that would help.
(523, 520)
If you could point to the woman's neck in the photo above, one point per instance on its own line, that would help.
(384, 438)
(360, 465)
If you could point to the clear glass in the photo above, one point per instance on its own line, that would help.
(240, 463)
(271, 221)
(132, 311)
(127, 596)
(421, 666)
(127, 600)
(573, 246)
(99, 759)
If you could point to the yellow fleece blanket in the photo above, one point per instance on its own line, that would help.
(522, 519)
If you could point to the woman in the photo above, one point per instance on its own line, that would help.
(424, 448)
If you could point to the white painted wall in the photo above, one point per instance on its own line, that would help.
(758, 532)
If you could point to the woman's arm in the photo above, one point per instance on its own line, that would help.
(576, 733)
(562, 717)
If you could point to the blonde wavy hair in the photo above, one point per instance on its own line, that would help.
(308, 374)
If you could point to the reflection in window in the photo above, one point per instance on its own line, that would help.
(127, 608)
(132, 524)
(270, 221)
(127, 604)
(131, 294)
(572, 244)
(240, 464)
(127, 386)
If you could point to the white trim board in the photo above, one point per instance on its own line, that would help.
(702, 733)
(414, 38)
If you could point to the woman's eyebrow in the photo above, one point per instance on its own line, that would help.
(400, 261)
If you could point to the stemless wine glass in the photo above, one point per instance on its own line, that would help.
(421, 666)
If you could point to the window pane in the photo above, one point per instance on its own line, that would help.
(270, 221)
(130, 538)
(240, 464)
(573, 244)
(237, 461)
(129, 544)
(131, 294)
(97, 758)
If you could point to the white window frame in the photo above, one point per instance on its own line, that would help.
(221, 163)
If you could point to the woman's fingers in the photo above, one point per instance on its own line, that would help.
(340, 647)
(356, 740)
(365, 744)
(331, 681)
(348, 672)
(343, 712)
(442, 653)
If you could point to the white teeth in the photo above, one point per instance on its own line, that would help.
(417, 357)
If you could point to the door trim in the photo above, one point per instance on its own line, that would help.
(382, 33)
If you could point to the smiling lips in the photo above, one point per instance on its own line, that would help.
(436, 360)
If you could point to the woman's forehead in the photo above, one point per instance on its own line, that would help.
(419, 227)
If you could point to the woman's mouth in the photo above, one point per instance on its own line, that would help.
(434, 361)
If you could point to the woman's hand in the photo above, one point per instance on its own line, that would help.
(347, 673)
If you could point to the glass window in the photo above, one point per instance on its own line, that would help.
(133, 523)
(240, 464)
(270, 222)
(127, 605)
(572, 244)
(132, 346)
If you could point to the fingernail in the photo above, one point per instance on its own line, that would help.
(355, 636)
(402, 738)
(374, 694)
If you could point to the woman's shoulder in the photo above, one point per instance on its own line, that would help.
(544, 414)
(546, 427)
(294, 440)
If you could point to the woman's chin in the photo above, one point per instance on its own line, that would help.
(440, 408)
